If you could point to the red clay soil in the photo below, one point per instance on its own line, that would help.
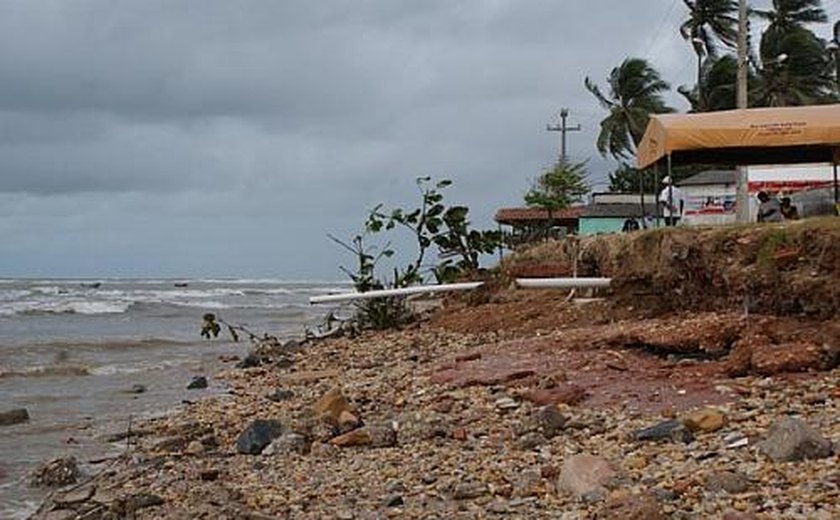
(653, 365)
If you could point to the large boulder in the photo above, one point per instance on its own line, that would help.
(790, 439)
(258, 435)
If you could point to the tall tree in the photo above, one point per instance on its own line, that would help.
(799, 70)
(635, 92)
(785, 17)
(710, 22)
(716, 89)
(559, 187)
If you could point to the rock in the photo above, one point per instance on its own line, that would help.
(705, 420)
(506, 403)
(729, 481)
(323, 450)
(528, 484)
(585, 474)
(197, 383)
(56, 472)
(372, 435)
(673, 430)
(258, 435)
(209, 475)
(136, 389)
(61, 514)
(15, 416)
(284, 362)
(334, 409)
(394, 501)
(549, 420)
(252, 360)
(790, 439)
(128, 505)
(468, 490)
(417, 426)
(288, 443)
(280, 395)
(194, 448)
(632, 507)
(530, 441)
(75, 496)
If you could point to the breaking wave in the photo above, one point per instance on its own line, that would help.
(50, 371)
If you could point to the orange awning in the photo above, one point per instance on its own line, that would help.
(739, 137)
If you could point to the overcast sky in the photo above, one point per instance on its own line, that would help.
(221, 138)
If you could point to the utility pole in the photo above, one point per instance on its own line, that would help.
(562, 128)
(742, 211)
(742, 54)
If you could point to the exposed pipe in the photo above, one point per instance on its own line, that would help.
(403, 291)
(563, 283)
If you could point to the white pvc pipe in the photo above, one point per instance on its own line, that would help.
(418, 289)
(562, 283)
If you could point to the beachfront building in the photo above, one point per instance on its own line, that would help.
(609, 211)
(709, 198)
(524, 225)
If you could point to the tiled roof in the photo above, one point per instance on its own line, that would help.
(510, 215)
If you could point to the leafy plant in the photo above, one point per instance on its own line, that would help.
(432, 223)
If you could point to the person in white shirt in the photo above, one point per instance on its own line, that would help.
(672, 201)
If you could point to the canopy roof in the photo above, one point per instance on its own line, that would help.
(747, 136)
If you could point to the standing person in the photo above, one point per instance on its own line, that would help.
(672, 201)
(769, 208)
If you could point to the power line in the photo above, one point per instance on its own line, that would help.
(656, 33)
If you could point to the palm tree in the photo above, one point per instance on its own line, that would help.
(797, 69)
(635, 92)
(716, 88)
(787, 16)
(709, 22)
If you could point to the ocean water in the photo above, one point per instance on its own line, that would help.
(71, 350)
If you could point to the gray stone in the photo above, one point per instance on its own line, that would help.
(75, 496)
(729, 481)
(394, 501)
(16, 416)
(287, 444)
(280, 395)
(673, 430)
(585, 475)
(530, 441)
(468, 490)
(550, 421)
(197, 383)
(415, 426)
(258, 435)
(250, 361)
(790, 439)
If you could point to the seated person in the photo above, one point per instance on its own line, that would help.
(789, 211)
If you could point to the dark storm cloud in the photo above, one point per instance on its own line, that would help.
(169, 119)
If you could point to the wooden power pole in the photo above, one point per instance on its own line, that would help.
(742, 212)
